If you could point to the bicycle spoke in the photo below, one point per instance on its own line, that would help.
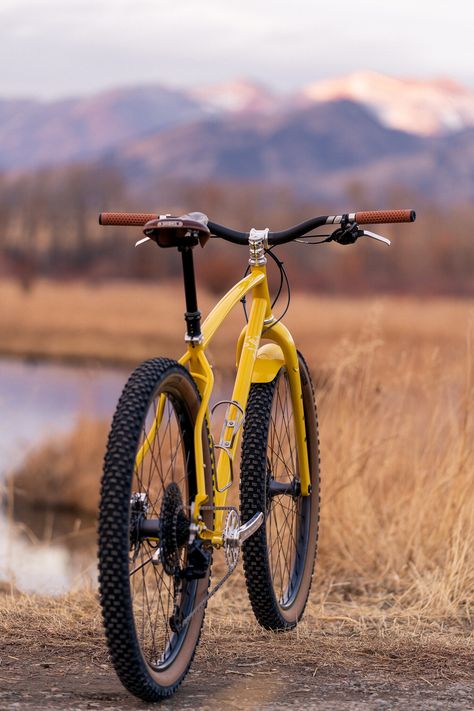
(284, 516)
(153, 595)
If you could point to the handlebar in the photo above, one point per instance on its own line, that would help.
(138, 219)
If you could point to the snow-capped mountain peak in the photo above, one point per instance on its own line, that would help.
(239, 95)
(430, 107)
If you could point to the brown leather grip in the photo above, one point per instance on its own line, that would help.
(126, 219)
(373, 217)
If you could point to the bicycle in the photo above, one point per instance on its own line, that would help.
(163, 506)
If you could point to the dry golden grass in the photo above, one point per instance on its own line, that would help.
(395, 391)
(70, 621)
(126, 322)
(398, 452)
(73, 623)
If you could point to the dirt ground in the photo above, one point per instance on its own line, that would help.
(330, 664)
(367, 678)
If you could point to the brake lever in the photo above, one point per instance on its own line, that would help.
(141, 241)
(350, 233)
(374, 235)
(148, 239)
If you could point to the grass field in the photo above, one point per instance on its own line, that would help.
(395, 392)
(124, 322)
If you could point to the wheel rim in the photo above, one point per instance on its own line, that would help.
(287, 514)
(156, 595)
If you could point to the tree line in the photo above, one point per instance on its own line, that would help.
(49, 227)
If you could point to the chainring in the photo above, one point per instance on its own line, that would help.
(231, 539)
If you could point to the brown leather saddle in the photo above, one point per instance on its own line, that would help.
(184, 231)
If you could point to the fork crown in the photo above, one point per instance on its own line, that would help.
(258, 243)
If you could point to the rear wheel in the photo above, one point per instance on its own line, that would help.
(279, 557)
(151, 579)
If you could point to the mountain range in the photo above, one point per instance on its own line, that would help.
(367, 128)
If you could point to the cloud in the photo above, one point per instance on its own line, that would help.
(55, 48)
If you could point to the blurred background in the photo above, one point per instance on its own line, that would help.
(258, 115)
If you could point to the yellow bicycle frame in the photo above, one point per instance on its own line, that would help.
(255, 364)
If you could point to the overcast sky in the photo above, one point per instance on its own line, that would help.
(53, 48)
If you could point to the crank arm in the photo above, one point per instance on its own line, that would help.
(248, 529)
(374, 235)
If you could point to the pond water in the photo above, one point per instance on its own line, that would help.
(46, 551)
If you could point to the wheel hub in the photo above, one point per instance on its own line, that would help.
(138, 511)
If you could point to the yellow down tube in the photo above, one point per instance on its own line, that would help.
(232, 429)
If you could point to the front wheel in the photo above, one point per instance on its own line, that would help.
(151, 578)
(279, 557)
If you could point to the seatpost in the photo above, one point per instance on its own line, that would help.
(192, 315)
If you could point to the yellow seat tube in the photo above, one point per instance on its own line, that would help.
(202, 373)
